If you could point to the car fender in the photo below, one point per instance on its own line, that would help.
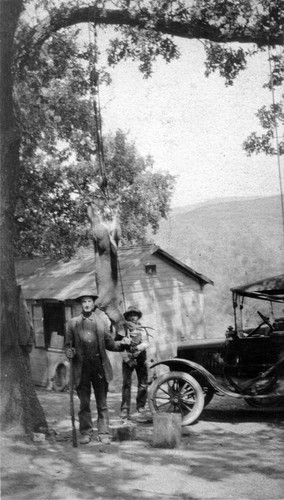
(187, 366)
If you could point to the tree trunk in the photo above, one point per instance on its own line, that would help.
(20, 407)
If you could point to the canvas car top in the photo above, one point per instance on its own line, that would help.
(271, 288)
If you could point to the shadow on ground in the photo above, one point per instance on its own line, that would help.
(232, 452)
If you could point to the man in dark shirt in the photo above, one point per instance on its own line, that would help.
(87, 338)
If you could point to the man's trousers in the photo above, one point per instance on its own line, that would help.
(93, 376)
(142, 375)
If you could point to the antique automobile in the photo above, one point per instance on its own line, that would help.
(247, 363)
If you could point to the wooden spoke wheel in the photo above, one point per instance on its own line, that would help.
(206, 387)
(177, 392)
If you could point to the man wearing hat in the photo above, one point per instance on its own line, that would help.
(134, 359)
(87, 338)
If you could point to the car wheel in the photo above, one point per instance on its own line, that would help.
(177, 392)
(207, 388)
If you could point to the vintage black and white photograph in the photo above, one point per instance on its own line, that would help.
(142, 249)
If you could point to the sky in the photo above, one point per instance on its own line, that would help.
(194, 126)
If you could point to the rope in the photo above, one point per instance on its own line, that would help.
(276, 138)
(241, 311)
(94, 81)
(122, 289)
(235, 305)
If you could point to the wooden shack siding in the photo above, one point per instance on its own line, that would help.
(176, 316)
(170, 270)
(171, 301)
(175, 313)
(165, 275)
(140, 286)
(135, 287)
(158, 282)
(144, 300)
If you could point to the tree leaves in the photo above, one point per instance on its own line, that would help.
(51, 216)
(271, 118)
(56, 113)
(228, 61)
(141, 45)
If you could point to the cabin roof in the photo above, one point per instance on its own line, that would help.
(44, 278)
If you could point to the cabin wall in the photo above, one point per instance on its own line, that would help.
(171, 302)
(44, 361)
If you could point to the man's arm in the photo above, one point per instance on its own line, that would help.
(110, 343)
(69, 341)
(116, 345)
(144, 344)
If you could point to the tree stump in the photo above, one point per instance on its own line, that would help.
(166, 430)
(123, 432)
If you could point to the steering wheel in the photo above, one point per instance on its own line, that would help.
(266, 321)
(255, 330)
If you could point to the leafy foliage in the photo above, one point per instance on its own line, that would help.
(51, 216)
(229, 62)
(60, 170)
(146, 28)
(225, 21)
(271, 118)
(56, 111)
(52, 101)
(143, 46)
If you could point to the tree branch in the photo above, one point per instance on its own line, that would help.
(194, 28)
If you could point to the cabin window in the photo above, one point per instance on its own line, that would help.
(150, 269)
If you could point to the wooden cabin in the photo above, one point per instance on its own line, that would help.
(168, 292)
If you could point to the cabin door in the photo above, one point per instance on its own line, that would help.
(53, 320)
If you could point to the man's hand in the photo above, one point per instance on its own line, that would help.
(135, 351)
(125, 343)
(70, 352)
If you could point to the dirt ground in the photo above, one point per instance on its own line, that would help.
(232, 452)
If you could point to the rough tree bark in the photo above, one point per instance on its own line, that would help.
(20, 408)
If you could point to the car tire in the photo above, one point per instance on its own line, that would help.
(207, 388)
(177, 392)
(269, 402)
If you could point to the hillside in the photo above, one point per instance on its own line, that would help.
(232, 242)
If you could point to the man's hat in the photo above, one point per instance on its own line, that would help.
(87, 293)
(132, 310)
